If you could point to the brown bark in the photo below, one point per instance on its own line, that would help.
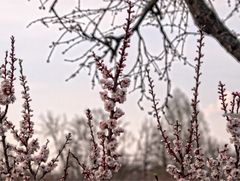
(205, 18)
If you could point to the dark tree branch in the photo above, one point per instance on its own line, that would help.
(169, 17)
(207, 18)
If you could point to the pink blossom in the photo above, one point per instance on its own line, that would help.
(112, 123)
(103, 125)
(125, 83)
(117, 131)
(112, 145)
(119, 95)
(104, 95)
(118, 113)
(101, 135)
(109, 105)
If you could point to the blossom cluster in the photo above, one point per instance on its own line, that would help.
(233, 127)
(232, 115)
(7, 74)
(25, 160)
(104, 156)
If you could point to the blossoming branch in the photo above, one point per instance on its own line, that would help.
(23, 158)
(104, 157)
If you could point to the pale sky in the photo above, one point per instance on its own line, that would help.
(49, 90)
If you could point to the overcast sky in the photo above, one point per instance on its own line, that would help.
(49, 90)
